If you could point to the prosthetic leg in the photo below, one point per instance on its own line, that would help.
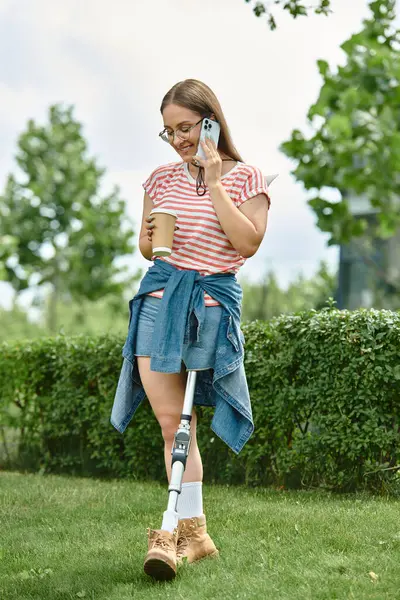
(162, 557)
(180, 450)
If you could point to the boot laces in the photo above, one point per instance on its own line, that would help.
(184, 538)
(183, 543)
(163, 542)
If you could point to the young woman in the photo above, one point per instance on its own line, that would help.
(186, 315)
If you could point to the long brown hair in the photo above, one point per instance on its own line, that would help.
(198, 97)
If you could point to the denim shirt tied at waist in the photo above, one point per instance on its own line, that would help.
(224, 387)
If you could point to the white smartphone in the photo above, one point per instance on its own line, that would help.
(211, 129)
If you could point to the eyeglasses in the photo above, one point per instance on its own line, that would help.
(182, 132)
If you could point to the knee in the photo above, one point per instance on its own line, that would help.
(169, 425)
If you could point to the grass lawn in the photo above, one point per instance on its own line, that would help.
(69, 538)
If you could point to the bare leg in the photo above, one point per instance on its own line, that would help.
(166, 392)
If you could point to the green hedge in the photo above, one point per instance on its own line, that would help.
(325, 391)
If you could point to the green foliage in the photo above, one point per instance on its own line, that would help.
(59, 230)
(110, 314)
(324, 389)
(329, 388)
(266, 299)
(107, 315)
(355, 146)
(58, 392)
(296, 8)
(8, 246)
(15, 325)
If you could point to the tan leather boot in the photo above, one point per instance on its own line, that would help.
(194, 543)
(160, 562)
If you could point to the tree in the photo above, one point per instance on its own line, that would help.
(295, 7)
(61, 232)
(8, 246)
(355, 145)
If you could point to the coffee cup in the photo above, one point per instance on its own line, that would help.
(163, 231)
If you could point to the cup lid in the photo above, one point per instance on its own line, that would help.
(164, 210)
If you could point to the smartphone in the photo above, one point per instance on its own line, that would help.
(211, 129)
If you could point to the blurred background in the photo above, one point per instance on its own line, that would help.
(309, 90)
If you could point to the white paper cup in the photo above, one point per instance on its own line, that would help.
(163, 231)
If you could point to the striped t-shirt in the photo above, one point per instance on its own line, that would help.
(200, 242)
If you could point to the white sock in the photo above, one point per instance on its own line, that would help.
(190, 500)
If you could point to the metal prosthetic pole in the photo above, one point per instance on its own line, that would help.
(180, 450)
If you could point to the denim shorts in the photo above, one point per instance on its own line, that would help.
(197, 356)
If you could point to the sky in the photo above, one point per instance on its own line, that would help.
(115, 60)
